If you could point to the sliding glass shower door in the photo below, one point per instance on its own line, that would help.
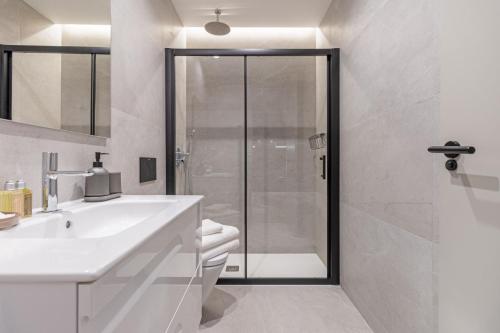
(210, 130)
(251, 135)
(286, 193)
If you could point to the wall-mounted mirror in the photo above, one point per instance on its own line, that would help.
(55, 64)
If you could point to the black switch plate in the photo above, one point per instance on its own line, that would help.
(147, 169)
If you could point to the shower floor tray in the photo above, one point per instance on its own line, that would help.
(275, 265)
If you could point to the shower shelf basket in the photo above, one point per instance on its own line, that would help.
(317, 141)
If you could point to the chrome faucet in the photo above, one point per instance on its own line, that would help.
(49, 180)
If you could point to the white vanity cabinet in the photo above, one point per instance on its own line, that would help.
(143, 292)
(155, 288)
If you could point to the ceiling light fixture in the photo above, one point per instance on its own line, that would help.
(216, 27)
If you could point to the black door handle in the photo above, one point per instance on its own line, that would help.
(323, 160)
(452, 149)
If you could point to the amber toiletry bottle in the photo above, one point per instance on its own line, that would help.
(11, 199)
(27, 197)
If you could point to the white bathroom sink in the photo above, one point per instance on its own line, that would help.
(84, 240)
(90, 221)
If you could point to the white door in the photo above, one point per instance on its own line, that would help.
(469, 198)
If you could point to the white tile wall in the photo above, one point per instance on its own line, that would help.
(389, 101)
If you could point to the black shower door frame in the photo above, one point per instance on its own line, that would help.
(333, 138)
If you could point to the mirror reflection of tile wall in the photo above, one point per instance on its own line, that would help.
(54, 90)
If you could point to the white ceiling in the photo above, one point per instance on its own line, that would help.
(73, 11)
(253, 13)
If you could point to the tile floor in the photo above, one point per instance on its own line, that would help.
(281, 309)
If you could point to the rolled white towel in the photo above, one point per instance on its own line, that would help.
(216, 251)
(228, 234)
(209, 227)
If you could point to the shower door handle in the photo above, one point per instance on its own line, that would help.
(323, 162)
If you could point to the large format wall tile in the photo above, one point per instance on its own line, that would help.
(21, 148)
(387, 273)
(141, 30)
(389, 101)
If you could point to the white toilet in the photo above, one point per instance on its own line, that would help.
(217, 241)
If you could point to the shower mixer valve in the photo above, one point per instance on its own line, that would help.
(180, 156)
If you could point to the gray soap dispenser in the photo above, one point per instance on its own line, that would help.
(97, 186)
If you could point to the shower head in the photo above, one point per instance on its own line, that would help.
(216, 27)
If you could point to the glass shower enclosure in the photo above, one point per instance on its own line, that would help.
(256, 133)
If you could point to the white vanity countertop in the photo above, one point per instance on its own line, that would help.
(41, 249)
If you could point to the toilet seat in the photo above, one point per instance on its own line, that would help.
(216, 261)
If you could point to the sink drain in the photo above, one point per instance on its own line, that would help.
(68, 224)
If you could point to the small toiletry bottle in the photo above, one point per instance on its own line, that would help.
(13, 200)
(5, 201)
(27, 195)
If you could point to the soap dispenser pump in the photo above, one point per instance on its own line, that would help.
(97, 165)
(97, 186)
